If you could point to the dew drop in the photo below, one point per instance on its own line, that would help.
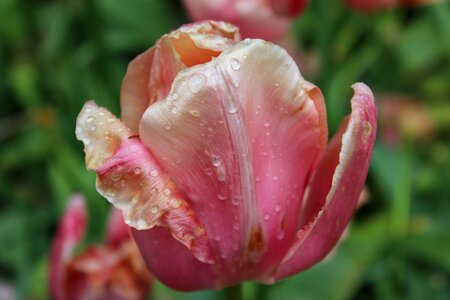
(215, 160)
(93, 128)
(141, 223)
(235, 201)
(88, 110)
(175, 96)
(101, 114)
(154, 209)
(153, 173)
(153, 190)
(90, 119)
(220, 172)
(280, 235)
(137, 171)
(232, 109)
(266, 217)
(236, 226)
(174, 110)
(194, 113)
(196, 83)
(175, 203)
(257, 179)
(167, 126)
(266, 123)
(111, 193)
(208, 172)
(87, 141)
(275, 178)
(166, 191)
(115, 177)
(235, 64)
(221, 196)
(267, 133)
(277, 208)
(78, 130)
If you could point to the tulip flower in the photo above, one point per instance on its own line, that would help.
(224, 172)
(266, 19)
(111, 271)
(404, 118)
(369, 5)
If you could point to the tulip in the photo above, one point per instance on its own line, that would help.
(266, 19)
(227, 176)
(369, 5)
(111, 271)
(403, 118)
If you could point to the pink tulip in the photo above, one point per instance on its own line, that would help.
(223, 169)
(369, 5)
(265, 19)
(111, 271)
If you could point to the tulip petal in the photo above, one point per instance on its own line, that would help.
(224, 135)
(172, 263)
(150, 75)
(255, 18)
(117, 232)
(130, 178)
(336, 185)
(71, 231)
(289, 8)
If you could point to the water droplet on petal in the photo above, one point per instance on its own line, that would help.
(266, 217)
(215, 160)
(166, 191)
(175, 203)
(90, 119)
(196, 83)
(175, 96)
(208, 172)
(93, 128)
(266, 123)
(235, 64)
(153, 173)
(167, 126)
(153, 190)
(275, 177)
(87, 141)
(115, 177)
(277, 208)
(194, 113)
(174, 109)
(280, 235)
(154, 209)
(111, 193)
(221, 196)
(137, 171)
(232, 109)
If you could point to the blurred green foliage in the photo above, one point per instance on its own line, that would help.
(55, 55)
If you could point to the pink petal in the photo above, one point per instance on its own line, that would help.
(131, 179)
(117, 232)
(150, 75)
(229, 125)
(172, 263)
(336, 185)
(254, 18)
(70, 232)
(289, 8)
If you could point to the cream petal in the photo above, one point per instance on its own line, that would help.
(129, 177)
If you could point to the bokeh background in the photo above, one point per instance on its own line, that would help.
(55, 55)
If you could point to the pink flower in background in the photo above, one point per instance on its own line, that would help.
(221, 163)
(266, 19)
(383, 4)
(114, 270)
(403, 118)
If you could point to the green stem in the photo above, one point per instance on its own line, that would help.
(234, 292)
